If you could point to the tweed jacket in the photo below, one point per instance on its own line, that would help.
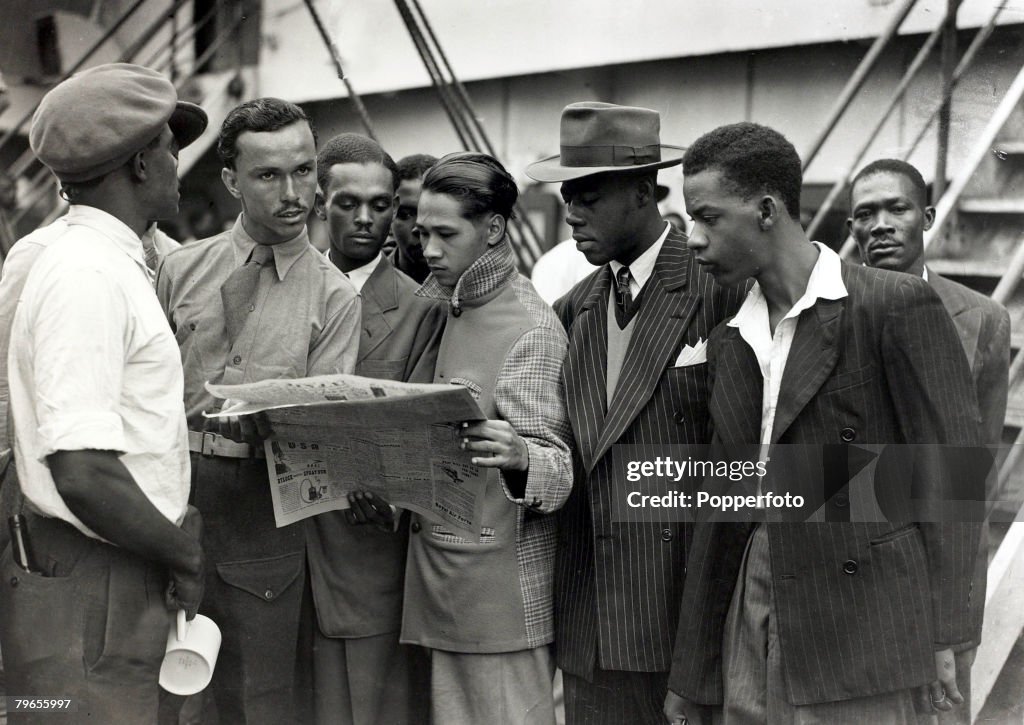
(860, 605)
(503, 343)
(618, 583)
(357, 572)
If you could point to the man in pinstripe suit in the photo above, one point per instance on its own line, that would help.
(889, 216)
(835, 620)
(635, 375)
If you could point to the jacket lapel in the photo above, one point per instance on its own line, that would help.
(737, 389)
(380, 295)
(585, 367)
(664, 315)
(812, 358)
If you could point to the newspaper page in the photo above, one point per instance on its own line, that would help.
(336, 434)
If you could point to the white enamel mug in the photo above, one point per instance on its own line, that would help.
(191, 655)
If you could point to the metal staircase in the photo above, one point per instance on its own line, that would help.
(165, 44)
(978, 240)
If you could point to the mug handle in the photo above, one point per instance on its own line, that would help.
(182, 625)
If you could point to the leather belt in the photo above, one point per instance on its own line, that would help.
(214, 444)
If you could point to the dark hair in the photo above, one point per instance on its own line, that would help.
(415, 166)
(893, 166)
(478, 181)
(260, 115)
(753, 158)
(352, 148)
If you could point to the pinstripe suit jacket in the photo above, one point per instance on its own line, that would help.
(618, 584)
(860, 607)
(984, 328)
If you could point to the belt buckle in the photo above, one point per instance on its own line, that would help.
(209, 440)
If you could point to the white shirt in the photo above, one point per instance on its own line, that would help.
(359, 275)
(18, 264)
(772, 351)
(94, 365)
(558, 270)
(643, 266)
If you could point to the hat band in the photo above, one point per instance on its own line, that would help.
(610, 155)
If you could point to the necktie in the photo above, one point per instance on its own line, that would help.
(624, 307)
(239, 290)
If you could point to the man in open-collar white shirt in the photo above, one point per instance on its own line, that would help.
(95, 385)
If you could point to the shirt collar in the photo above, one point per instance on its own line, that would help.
(924, 273)
(825, 282)
(359, 275)
(285, 253)
(643, 266)
(110, 227)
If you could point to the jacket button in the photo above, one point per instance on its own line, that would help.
(237, 359)
(456, 311)
(192, 326)
(850, 567)
(666, 534)
(14, 581)
(848, 434)
(679, 417)
(268, 595)
(415, 527)
(841, 500)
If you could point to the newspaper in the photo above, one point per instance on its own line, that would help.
(334, 434)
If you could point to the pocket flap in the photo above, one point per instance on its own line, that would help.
(266, 579)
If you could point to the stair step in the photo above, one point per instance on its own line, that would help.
(992, 206)
(968, 267)
(1014, 413)
(1010, 148)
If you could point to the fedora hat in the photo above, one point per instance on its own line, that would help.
(596, 138)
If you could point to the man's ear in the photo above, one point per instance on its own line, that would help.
(495, 229)
(929, 217)
(138, 166)
(849, 227)
(768, 212)
(645, 190)
(320, 205)
(230, 179)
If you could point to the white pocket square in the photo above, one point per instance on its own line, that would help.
(692, 354)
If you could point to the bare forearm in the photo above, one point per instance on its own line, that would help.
(101, 492)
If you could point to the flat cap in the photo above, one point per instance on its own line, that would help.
(95, 121)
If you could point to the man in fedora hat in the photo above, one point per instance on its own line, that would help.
(635, 376)
(95, 387)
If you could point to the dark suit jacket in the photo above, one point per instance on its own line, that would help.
(358, 571)
(984, 328)
(617, 584)
(860, 606)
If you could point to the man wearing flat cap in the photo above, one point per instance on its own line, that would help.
(635, 376)
(95, 382)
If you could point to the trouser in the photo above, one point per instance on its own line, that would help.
(369, 681)
(512, 688)
(254, 592)
(91, 629)
(754, 681)
(614, 697)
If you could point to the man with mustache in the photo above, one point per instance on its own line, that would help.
(253, 303)
(890, 214)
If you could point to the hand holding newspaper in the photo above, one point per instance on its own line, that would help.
(334, 434)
